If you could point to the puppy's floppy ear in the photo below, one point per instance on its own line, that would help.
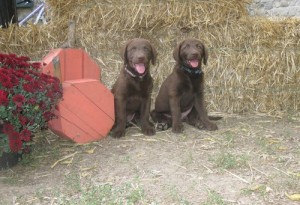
(123, 51)
(154, 55)
(205, 52)
(176, 52)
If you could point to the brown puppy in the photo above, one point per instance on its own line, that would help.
(132, 90)
(181, 96)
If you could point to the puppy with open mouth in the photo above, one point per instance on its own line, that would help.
(132, 90)
(181, 96)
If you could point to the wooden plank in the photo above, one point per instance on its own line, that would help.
(64, 128)
(98, 94)
(76, 102)
(90, 69)
(53, 63)
(84, 133)
(73, 64)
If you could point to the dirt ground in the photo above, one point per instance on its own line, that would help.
(251, 159)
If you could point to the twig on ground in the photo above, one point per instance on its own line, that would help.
(252, 175)
(240, 178)
(134, 125)
(162, 131)
(210, 171)
(137, 135)
(287, 174)
(48, 140)
(151, 179)
(149, 139)
(87, 168)
(178, 165)
(230, 201)
(32, 200)
(260, 171)
(62, 159)
(44, 175)
(288, 161)
(164, 140)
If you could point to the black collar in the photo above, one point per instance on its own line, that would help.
(191, 70)
(134, 75)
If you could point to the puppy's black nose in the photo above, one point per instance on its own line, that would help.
(141, 58)
(194, 55)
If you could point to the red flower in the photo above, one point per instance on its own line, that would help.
(34, 73)
(36, 65)
(23, 120)
(17, 110)
(12, 55)
(23, 64)
(36, 84)
(20, 73)
(15, 142)
(4, 71)
(3, 97)
(48, 115)
(55, 87)
(24, 58)
(8, 128)
(14, 80)
(3, 101)
(42, 105)
(5, 80)
(28, 88)
(32, 93)
(25, 135)
(50, 94)
(32, 101)
(28, 77)
(19, 100)
(8, 85)
(3, 92)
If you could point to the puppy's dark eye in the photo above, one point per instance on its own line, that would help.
(133, 48)
(146, 48)
(185, 46)
(198, 46)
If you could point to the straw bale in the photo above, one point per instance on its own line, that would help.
(253, 62)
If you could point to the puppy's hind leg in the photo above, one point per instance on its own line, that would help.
(192, 118)
(133, 120)
(161, 121)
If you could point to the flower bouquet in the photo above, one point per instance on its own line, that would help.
(28, 99)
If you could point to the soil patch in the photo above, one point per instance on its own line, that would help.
(251, 159)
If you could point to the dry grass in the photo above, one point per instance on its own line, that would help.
(251, 159)
(253, 64)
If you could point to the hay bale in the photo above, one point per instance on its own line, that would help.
(253, 62)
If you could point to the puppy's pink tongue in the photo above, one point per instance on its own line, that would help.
(140, 68)
(194, 63)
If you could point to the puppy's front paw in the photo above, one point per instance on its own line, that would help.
(177, 128)
(117, 133)
(210, 126)
(149, 131)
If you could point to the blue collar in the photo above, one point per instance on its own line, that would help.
(191, 70)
